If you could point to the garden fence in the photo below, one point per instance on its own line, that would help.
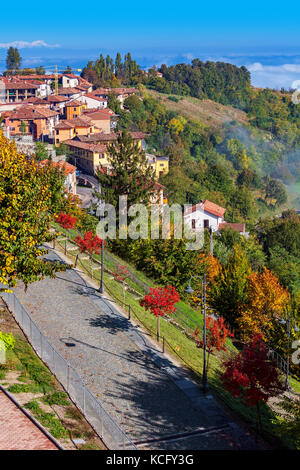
(96, 415)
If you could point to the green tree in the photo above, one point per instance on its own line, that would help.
(25, 200)
(227, 294)
(275, 191)
(23, 127)
(129, 173)
(41, 152)
(13, 60)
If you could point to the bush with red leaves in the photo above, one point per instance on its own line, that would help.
(90, 243)
(216, 335)
(161, 301)
(252, 376)
(66, 221)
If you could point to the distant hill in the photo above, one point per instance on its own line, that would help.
(207, 111)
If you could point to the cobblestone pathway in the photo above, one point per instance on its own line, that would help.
(150, 398)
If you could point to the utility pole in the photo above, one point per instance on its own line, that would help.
(211, 242)
(204, 336)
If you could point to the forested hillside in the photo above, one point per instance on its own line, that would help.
(237, 159)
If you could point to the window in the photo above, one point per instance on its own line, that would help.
(193, 223)
(206, 223)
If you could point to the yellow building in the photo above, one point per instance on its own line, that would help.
(87, 156)
(89, 151)
(74, 109)
(70, 128)
(160, 165)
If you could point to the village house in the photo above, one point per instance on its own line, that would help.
(92, 101)
(88, 152)
(103, 138)
(69, 80)
(87, 156)
(104, 119)
(17, 90)
(75, 81)
(236, 227)
(37, 121)
(69, 172)
(71, 93)
(159, 164)
(121, 93)
(37, 101)
(70, 128)
(205, 214)
(74, 109)
(57, 102)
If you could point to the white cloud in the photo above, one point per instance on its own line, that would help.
(23, 44)
(274, 76)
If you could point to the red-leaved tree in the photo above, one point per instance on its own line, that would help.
(160, 301)
(90, 243)
(216, 336)
(66, 221)
(253, 376)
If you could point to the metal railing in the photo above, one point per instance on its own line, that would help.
(182, 317)
(179, 318)
(104, 425)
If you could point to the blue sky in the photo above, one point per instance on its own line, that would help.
(154, 23)
(157, 31)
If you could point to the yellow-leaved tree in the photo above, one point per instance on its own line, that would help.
(26, 211)
(266, 301)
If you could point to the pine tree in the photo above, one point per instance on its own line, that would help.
(129, 173)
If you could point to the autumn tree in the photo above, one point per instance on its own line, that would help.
(25, 199)
(252, 376)
(160, 301)
(209, 265)
(266, 300)
(216, 336)
(66, 221)
(227, 294)
(89, 243)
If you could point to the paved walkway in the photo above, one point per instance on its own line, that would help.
(153, 400)
(17, 431)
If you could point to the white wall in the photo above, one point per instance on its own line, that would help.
(69, 82)
(92, 103)
(199, 216)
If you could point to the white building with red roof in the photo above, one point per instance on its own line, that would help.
(205, 214)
